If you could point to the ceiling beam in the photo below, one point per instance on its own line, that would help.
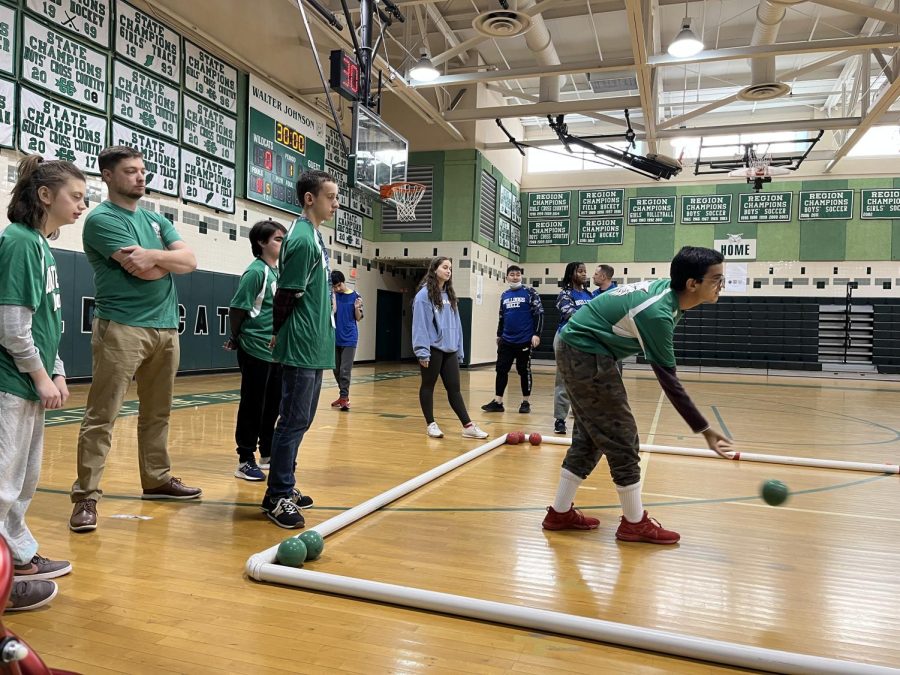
(600, 117)
(787, 75)
(861, 10)
(446, 31)
(780, 49)
(591, 66)
(542, 109)
(713, 105)
(637, 28)
(881, 106)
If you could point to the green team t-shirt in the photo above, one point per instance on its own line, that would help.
(28, 278)
(306, 340)
(627, 320)
(121, 297)
(254, 295)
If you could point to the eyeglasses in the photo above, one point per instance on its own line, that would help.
(717, 280)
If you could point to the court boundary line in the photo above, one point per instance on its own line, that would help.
(261, 567)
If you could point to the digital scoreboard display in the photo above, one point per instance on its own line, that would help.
(344, 75)
(278, 155)
(284, 139)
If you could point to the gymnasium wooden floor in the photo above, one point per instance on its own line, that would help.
(168, 594)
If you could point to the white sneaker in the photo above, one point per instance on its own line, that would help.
(263, 463)
(434, 431)
(474, 432)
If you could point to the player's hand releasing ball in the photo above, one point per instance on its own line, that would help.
(717, 443)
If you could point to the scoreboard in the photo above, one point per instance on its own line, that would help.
(282, 144)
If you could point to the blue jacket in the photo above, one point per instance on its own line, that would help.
(521, 315)
(433, 327)
(597, 291)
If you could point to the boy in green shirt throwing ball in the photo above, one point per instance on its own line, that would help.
(622, 322)
(303, 328)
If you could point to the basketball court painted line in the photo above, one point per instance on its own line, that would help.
(721, 421)
(679, 501)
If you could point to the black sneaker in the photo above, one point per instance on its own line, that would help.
(493, 406)
(301, 501)
(525, 407)
(559, 427)
(283, 513)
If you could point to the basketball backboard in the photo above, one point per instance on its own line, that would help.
(380, 154)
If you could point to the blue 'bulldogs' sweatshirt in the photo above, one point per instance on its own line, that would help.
(521, 315)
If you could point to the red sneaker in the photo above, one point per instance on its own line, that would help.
(345, 404)
(573, 519)
(336, 403)
(648, 530)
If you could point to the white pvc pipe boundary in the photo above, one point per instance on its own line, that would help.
(871, 467)
(261, 566)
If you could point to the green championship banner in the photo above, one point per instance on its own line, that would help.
(515, 239)
(880, 203)
(825, 205)
(651, 210)
(210, 78)
(549, 204)
(283, 141)
(7, 112)
(503, 233)
(160, 157)
(705, 209)
(601, 202)
(761, 207)
(58, 131)
(145, 41)
(88, 19)
(334, 151)
(8, 41)
(206, 181)
(506, 202)
(63, 66)
(595, 231)
(348, 229)
(145, 101)
(549, 232)
(209, 130)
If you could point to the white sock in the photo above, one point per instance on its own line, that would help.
(565, 493)
(630, 498)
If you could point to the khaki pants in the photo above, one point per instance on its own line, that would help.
(121, 353)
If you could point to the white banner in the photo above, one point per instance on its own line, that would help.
(86, 18)
(209, 130)
(160, 158)
(63, 66)
(736, 248)
(334, 151)
(206, 181)
(348, 228)
(361, 202)
(145, 101)
(7, 39)
(280, 107)
(147, 42)
(736, 277)
(57, 131)
(7, 112)
(210, 78)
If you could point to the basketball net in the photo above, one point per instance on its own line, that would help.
(406, 196)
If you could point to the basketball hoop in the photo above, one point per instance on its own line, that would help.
(759, 171)
(406, 196)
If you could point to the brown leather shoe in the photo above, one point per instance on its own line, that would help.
(174, 489)
(84, 516)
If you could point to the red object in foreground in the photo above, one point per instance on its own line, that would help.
(535, 439)
(22, 659)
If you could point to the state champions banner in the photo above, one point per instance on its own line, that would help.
(161, 158)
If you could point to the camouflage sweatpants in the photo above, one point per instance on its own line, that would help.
(604, 424)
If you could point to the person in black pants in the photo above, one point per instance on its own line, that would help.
(518, 332)
(250, 316)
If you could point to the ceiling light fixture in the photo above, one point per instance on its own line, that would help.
(686, 43)
(424, 70)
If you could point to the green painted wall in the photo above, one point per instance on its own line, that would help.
(808, 240)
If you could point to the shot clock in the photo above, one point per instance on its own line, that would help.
(344, 75)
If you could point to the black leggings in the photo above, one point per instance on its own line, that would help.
(506, 354)
(445, 364)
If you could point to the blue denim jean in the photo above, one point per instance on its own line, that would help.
(300, 389)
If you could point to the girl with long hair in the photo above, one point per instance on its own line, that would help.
(438, 344)
(47, 196)
(573, 295)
